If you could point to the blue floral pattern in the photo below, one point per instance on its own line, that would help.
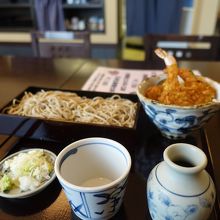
(174, 123)
(167, 209)
(163, 204)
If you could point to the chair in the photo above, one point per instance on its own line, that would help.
(183, 47)
(61, 44)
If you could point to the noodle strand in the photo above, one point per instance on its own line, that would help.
(67, 106)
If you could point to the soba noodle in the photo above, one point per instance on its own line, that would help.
(67, 106)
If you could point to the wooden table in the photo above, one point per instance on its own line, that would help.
(16, 74)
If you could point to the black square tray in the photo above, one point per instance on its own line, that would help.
(145, 155)
(45, 129)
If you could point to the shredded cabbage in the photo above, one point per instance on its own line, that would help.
(26, 171)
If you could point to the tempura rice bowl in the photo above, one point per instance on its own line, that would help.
(174, 121)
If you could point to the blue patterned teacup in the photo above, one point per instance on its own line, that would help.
(177, 121)
(93, 173)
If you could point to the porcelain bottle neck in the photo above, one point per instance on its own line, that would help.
(185, 158)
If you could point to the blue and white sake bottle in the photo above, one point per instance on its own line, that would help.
(179, 187)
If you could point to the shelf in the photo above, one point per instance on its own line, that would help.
(92, 32)
(19, 16)
(11, 6)
(15, 29)
(83, 6)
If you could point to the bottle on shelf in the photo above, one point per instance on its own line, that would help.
(69, 2)
(101, 25)
(96, 24)
(76, 2)
(81, 25)
(77, 24)
(93, 23)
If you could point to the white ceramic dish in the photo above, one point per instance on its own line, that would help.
(15, 193)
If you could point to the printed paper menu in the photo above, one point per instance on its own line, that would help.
(115, 80)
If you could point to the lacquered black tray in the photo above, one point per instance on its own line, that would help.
(144, 142)
(146, 153)
(45, 129)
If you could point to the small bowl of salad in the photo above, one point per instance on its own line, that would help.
(26, 173)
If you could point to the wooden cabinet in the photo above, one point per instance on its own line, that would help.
(20, 15)
(85, 14)
(100, 17)
(16, 15)
(17, 19)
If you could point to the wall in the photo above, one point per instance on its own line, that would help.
(194, 18)
(204, 16)
(111, 24)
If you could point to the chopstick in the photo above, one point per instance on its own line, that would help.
(7, 146)
(10, 140)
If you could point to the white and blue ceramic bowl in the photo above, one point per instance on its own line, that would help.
(174, 121)
(93, 173)
(16, 193)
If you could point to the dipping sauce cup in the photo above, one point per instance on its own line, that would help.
(93, 173)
